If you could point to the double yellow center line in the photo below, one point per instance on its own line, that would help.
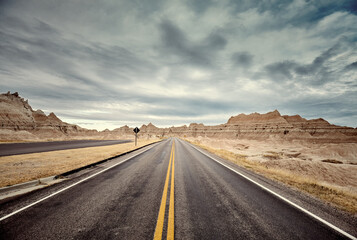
(161, 218)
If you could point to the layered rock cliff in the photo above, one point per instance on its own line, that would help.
(17, 115)
(271, 125)
(19, 121)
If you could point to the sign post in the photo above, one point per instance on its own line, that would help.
(136, 130)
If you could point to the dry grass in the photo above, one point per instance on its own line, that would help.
(13, 141)
(272, 155)
(343, 199)
(27, 167)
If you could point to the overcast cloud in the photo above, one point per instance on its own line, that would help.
(104, 64)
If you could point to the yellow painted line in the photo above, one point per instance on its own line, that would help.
(161, 217)
(171, 224)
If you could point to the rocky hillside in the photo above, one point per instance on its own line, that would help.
(17, 114)
(257, 126)
(18, 121)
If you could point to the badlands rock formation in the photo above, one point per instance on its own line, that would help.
(257, 126)
(18, 121)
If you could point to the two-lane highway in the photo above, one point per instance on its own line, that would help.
(172, 190)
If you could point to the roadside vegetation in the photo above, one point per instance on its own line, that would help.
(343, 199)
(26, 167)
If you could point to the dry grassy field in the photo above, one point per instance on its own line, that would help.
(26, 167)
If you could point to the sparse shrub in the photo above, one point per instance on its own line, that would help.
(332, 161)
(272, 155)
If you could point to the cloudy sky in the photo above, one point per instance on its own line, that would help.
(104, 64)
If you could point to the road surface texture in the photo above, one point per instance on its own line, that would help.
(169, 190)
(8, 149)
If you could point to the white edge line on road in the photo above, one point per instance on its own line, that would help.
(70, 186)
(282, 198)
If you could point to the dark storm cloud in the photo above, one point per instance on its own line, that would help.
(44, 41)
(316, 73)
(351, 67)
(145, 7)
(216, 42)
(199, 6)
(318, 62)
(325, 106)
(39, 46)
(281, 70)
(311, 14)
(242, 59)
(35, 26)
(318, 10)
(177, 43)
(180, 59)
(286, 15)
(262, 6)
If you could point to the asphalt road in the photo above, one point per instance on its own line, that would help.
(135, 200)
(8, 149)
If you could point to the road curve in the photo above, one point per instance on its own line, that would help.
(170, 180)
(8, 149)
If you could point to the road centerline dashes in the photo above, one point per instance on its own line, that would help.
(170, 230)
(161, 217)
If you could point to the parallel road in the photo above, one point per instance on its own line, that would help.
(169, 190)
(8, 149)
